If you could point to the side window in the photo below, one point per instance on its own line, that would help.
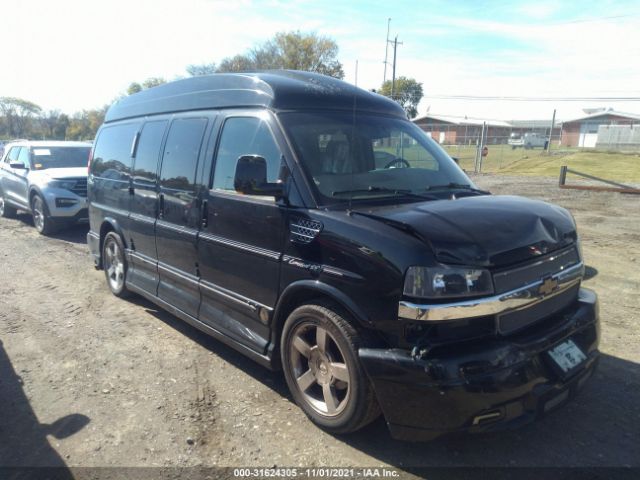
(244, 136)
(112, 154)
(23, 157)
(13, 154)
(148, 152)
(180, 157)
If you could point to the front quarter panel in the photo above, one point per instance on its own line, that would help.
(361, 258)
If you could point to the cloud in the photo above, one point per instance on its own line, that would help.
(80, 54)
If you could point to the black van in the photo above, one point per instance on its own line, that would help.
(308, 224)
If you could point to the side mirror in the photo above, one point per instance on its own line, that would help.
(251, 178)
(17, 165)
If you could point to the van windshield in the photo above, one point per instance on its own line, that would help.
(369, 156)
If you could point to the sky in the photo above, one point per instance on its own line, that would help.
(80, 54)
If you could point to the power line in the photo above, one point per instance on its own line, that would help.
(535, 99)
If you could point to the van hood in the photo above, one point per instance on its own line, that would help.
(490, 231)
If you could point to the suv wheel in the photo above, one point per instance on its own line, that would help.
(320, 362)
(41, 220)
(6, 211)
(115, 264)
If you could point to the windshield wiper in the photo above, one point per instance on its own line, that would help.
(458, 186)
(398, 192)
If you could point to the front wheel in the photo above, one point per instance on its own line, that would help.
(321, 366)
(41, 220)
(115, 264)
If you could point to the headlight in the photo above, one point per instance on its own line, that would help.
(64, 184)
(447, 282)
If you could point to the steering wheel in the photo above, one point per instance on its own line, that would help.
(398, 161)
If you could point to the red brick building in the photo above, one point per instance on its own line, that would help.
(583, 131)
(453, 130)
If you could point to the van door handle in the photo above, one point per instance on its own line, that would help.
(205, 214)
(161, 206)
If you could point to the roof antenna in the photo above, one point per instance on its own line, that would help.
(353, 138)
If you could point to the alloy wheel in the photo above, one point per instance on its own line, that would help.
(114, 265)
(320, 370)
(38, 213)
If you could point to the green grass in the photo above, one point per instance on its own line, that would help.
(504, 160)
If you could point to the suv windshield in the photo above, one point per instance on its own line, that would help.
(59, 157)
(369, 156)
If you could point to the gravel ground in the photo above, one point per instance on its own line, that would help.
(87, 379)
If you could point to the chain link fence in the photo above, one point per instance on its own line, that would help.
(490, 148)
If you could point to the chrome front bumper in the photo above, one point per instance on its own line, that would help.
(517, 299)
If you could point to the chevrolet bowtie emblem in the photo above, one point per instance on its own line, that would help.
(548, 286)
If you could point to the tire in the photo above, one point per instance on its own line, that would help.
(115, 265)
(319, 349)
(44, 224)
(6, 211)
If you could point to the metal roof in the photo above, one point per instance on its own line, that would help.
(610, 111)
(275, 89)
(457, 120)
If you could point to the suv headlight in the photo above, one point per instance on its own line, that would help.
(64, 184)
(447, 282)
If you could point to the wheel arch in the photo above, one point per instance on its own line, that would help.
(109, 224)
(303, 292)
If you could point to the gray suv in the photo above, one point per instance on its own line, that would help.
(47, 179)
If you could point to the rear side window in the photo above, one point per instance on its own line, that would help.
(244, 136)
(112, 154)
(148, 152)
(181, 150)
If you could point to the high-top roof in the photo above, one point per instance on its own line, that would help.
(274, 89)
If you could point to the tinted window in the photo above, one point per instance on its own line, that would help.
(59, 157)
(148, 152)
(180, 157)
(112, 155)
(244, 136)
(13, 154)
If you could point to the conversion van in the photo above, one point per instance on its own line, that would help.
(311, 226)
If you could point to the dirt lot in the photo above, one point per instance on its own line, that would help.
(137, 387)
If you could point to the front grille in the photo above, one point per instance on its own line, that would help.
(535, 270)
(514, 321)
(80, 188)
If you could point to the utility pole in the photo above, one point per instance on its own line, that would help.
(386, 52)
(356, 73)
(553, 121)
(393, 78)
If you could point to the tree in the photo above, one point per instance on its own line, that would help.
(291, 50)
(54, 124)
(135, 87)
(18, 115)
(204, 69)
(407, 92)
(84, 125)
